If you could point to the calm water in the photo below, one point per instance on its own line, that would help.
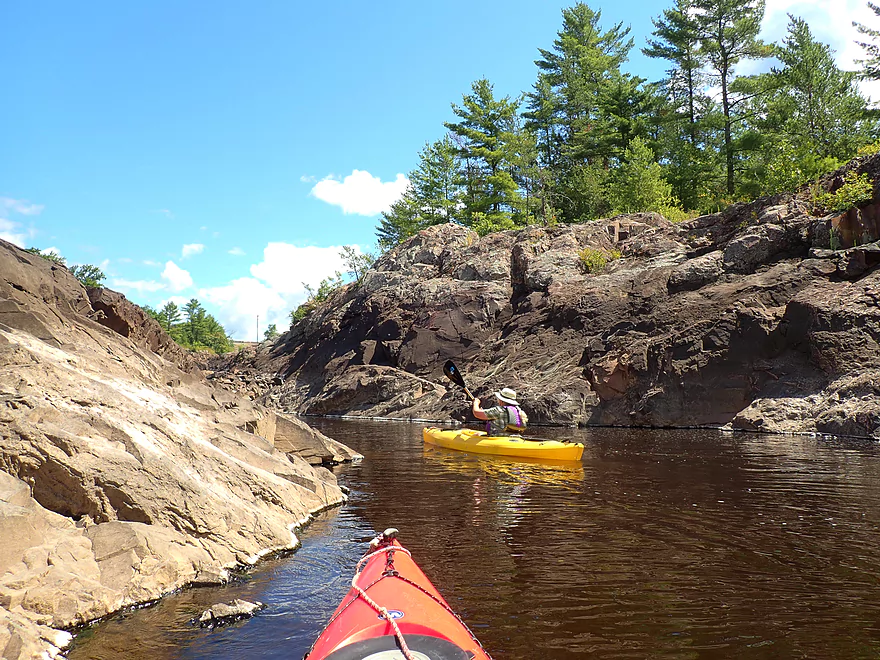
(660, 544)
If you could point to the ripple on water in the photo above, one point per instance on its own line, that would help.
(658, 544)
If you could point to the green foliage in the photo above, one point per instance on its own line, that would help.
(584, 193)
(88, 275)
(833, 239)
(482, 137)
(871, 63)
(434, 195)
(325, 289)
(638, 184)
(592, 139)
(870, 149)
(856, 189)
(812, 121)
(676, 214)
(48, 256)
(271, 332)
(727, 31)
(488, 223)
(594, 261)
(357, 263)
(199, 331)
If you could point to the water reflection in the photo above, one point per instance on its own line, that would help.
(658, 544)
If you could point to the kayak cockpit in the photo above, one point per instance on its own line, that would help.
(422, 647)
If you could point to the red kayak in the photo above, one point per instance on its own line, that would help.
(393, 611)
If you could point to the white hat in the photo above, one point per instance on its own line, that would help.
(507, 395)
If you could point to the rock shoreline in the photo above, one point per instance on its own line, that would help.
(745, 318)
(125, 474)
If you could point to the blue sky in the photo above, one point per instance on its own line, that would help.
(226, 150)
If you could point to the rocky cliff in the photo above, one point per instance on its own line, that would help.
(745, 318)
(125, 474)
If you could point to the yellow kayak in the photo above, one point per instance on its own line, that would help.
(480, 443)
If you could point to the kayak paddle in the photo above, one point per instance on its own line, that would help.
(453, 374)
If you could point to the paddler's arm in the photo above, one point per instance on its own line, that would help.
(478, 412)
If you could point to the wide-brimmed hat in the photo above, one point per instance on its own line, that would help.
(507, 395)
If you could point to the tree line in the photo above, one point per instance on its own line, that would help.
(589, 140)
(192, 327)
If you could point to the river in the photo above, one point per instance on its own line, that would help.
(658, 544)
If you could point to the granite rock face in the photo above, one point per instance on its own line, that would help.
(745, 318)
(124, 473)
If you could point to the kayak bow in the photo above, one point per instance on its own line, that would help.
(393, 611)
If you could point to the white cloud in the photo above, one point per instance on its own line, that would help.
(51, 250)
(275, 288)
(150, 262)
(241, 301)
(13, 232)
(285, 267)
(361, 192)
(177, 278)
(190, 249)
(141, 286)
(237, 251)
(21, 206)
(167, 213)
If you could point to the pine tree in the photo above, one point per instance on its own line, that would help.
(815, 119)
(728, 33)
(433, 197)
(485, 124)
(638, 184)
(686, 141)
(871, 63)
(88, 275)
(578, 69)
(678, 42)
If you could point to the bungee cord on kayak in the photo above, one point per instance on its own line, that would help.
(389, 551)
(403, 616)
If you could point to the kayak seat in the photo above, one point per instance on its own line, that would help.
(424, 647)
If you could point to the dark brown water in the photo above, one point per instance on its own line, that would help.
(660, 544)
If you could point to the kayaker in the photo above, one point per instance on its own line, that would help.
(507, 416)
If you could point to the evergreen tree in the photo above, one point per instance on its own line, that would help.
(815, 118)
(400, 222)
(435, 183)
(485, 124)
(638, 184)
(544, 121)
(578, 69)
(678, 42)
(871, 63)
(88, 275)
(434, 195)
(171, 313)
(728, 33)
(687, 141)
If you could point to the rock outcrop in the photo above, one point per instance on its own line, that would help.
(124, 473)
(745, 318)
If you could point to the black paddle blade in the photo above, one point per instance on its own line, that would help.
(453, 374)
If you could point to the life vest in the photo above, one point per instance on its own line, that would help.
(517, 420)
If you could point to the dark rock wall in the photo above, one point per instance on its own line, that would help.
(744, 317)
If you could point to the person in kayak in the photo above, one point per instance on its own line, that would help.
(507, 416)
